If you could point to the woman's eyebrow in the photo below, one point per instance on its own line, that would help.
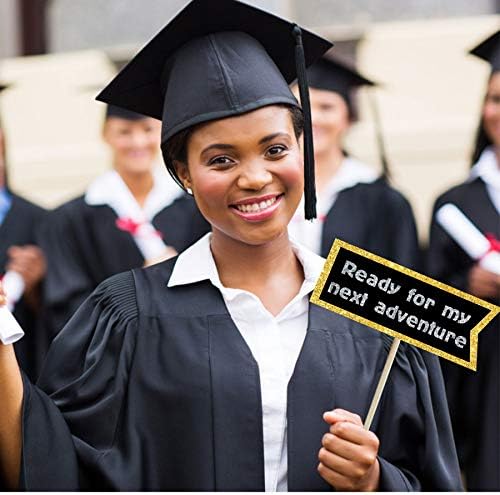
(218, 146)
(266, 139)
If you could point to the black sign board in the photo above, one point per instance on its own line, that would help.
(403, 303)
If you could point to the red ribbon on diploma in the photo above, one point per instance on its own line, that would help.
(132, 227)
(494, 243)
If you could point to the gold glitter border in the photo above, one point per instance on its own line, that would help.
(474, 334)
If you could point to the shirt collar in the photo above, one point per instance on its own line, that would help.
(350, 173)
(110, 189)
(197, 263)
(487, 168)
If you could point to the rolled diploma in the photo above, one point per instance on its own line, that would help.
(468, 237)
(149, 242)
(10, 330)
(13, 286)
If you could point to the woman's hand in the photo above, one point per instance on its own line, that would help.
(3, 297)
(29, 262)
(483, 283)
(348, 458)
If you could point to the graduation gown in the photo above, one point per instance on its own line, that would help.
(84, 246)
(18, 229)
(474, 398)
(375, 217)
(154, 388)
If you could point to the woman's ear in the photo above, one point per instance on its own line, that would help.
(182, 172)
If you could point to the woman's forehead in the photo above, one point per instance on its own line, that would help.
(261, 122)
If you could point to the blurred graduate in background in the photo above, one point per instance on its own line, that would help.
(355, 204)
(131, 216)
(22, 267)
(474, 398)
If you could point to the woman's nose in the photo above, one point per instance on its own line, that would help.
(254, 176)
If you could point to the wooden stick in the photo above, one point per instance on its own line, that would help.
(381, 383)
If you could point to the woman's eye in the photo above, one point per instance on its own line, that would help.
(276, 150)
(495, 99)
(327, 107)
(220, 160)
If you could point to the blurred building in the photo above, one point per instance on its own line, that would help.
(429, 102)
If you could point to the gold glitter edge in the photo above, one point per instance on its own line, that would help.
(474, 333)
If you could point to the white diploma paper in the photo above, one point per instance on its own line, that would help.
(13, 286)
(468, 237)
(10, 330)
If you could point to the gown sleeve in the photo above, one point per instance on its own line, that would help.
(67, 283)
(71, 415)
(414, 428)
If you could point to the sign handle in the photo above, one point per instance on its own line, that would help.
(381, 383)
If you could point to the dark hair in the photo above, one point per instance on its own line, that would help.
(175, 149)
(482, 140)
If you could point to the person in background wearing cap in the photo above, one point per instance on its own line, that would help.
(474, 398)
(212, 371)
(354, 203)
(132, 215)
(22, 267)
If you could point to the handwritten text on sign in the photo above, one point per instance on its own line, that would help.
(405, 304)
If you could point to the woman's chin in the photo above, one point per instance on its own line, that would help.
(256, 235)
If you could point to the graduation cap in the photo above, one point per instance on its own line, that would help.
(122, 113)
(489, 50)
(332, 75)
(219, 59)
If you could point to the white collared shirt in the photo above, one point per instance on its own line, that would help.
(488, 169)
(110, 189)
(275, 342)
(350, 173)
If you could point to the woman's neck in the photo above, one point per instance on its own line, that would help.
(271, 271)
(327, 165)
(140, 185)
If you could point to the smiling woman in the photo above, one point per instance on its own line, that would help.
(212, 371)
(254, 176)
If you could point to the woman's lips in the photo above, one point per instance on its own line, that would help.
(258, 209)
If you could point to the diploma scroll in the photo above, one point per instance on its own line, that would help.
(468, 237)
(10, 330)
(13, 286)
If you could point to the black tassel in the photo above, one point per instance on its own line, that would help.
(309, 181)
(386, 173)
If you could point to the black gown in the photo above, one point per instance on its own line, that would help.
(474, 398)
(375, 217)
(84, 247)
(18, 229)
(154, 388)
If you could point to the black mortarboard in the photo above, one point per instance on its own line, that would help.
(489, 50)
(218, 59)
(332, 75)
(122, 113)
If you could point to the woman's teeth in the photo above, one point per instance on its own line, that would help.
(256, 207)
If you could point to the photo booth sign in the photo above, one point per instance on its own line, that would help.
(403, 303)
